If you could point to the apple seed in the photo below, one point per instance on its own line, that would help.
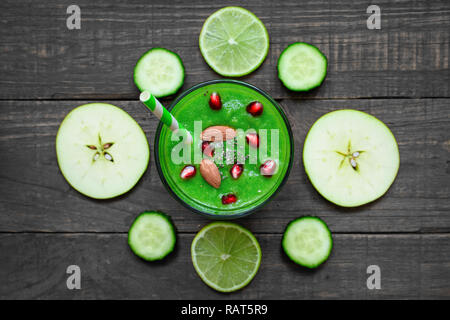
(108, 157)
(107, 145)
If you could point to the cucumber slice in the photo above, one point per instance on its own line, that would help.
(302, 67)
(152, 236)
(307, 241)
(159, 71)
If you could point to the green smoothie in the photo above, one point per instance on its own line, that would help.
(251, 188)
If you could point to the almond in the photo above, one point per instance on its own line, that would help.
(210, 173)
(218, 133)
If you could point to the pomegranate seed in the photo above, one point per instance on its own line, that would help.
(214, 101)
(268, 168)
(229, 198)
(188, 172)
(255, 108)
(205, 144)
(236, 170)
(207, 149)
(253, 139)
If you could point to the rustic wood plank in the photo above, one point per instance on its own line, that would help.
(41, 59)
(35, 196)
(34, 266)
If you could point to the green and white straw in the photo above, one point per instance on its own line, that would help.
(163, 114)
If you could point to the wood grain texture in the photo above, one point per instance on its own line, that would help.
(34, 266)
(35, 196)
(41, 59)
(45, 225)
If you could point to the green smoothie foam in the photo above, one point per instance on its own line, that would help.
(251, 189)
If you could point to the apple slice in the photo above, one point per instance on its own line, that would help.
(351, 157)
(102, 151)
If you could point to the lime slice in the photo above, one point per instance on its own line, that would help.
(226, 256)
(233, 41)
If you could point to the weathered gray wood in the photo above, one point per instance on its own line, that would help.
(34, 266)
(41, 59)
(35, 196)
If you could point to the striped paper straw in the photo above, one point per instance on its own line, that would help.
(163, 114)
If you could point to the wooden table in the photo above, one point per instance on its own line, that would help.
(399, 73)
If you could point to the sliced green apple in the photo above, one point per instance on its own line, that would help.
(351, 157)
(102, 151)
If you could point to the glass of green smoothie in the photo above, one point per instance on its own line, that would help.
(241, 154)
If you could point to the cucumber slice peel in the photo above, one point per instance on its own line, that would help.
(160, 72)
(152, 236)
(307, 241)
(302, 67)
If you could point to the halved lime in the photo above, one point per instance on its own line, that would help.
(233, 41)
(226, 256)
